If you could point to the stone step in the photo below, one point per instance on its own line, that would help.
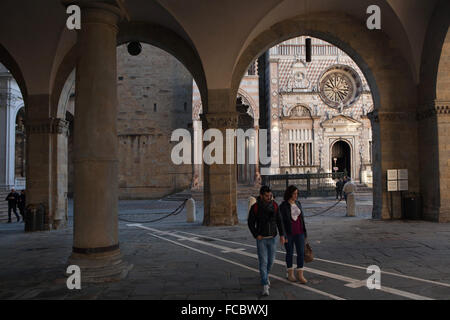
(4, 207)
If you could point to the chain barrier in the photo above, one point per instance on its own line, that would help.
(177, 211)
(326, 210)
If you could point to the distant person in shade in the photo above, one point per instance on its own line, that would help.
(12, 198)
(339, 187)
(21, 203)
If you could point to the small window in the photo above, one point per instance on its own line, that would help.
(154, 107)
(300, 154)
(185, 106)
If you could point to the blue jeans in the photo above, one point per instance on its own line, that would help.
(299, 241)
(266, 256)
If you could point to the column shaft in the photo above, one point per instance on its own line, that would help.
(95, 135)
(220, 180)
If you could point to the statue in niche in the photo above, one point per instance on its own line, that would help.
(341, 108)
(285, 111)
(298, 78)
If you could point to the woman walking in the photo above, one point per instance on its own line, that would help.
(294, 226)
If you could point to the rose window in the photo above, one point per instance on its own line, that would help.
(340, 86)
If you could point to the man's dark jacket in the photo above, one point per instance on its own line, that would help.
(285, 211)
(13, 201)
(264, 219)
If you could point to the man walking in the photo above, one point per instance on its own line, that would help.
(339, 187)
(12, 204)
(263, 221)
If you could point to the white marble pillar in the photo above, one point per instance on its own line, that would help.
(10, 103)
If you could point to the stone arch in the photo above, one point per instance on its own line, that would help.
(351, 147)
(154, 35)
(433, 115)
(250, 101)
(394, 110)
(10, 63)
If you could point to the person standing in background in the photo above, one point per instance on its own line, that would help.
(12, 198)
(21, 203)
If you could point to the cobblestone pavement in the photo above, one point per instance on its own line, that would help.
(174, 259)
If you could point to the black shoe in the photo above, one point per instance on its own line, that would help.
(9, 221)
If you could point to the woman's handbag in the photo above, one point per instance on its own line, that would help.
(309, 256)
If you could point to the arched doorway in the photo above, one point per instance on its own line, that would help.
(341, 157)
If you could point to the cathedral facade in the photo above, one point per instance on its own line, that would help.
(318, 111)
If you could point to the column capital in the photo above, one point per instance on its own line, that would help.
(390, 116)
(435, 108)
(223, 120)
(47, 126)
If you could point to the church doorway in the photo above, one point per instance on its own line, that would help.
(341, 158)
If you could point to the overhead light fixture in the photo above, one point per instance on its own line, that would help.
(134, 48)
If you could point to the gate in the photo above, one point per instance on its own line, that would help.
(308, 184)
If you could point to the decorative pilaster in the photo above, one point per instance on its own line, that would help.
(48, 126)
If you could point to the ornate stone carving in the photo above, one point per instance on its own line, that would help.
(197, 110)
(434, 108)
(299, 112)
(378, 116)
(227, 120)
(298, 77)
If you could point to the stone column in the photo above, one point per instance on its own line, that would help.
(8, 133)
(396, 150)
(220, 181)
(47, 166)
(435, 170)
(96, 244)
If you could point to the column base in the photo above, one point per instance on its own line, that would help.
(99, 268)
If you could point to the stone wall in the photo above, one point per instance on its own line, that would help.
(155, 98)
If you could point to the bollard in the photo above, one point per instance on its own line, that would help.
(350, 190)
(351, 205)
(190, 210)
